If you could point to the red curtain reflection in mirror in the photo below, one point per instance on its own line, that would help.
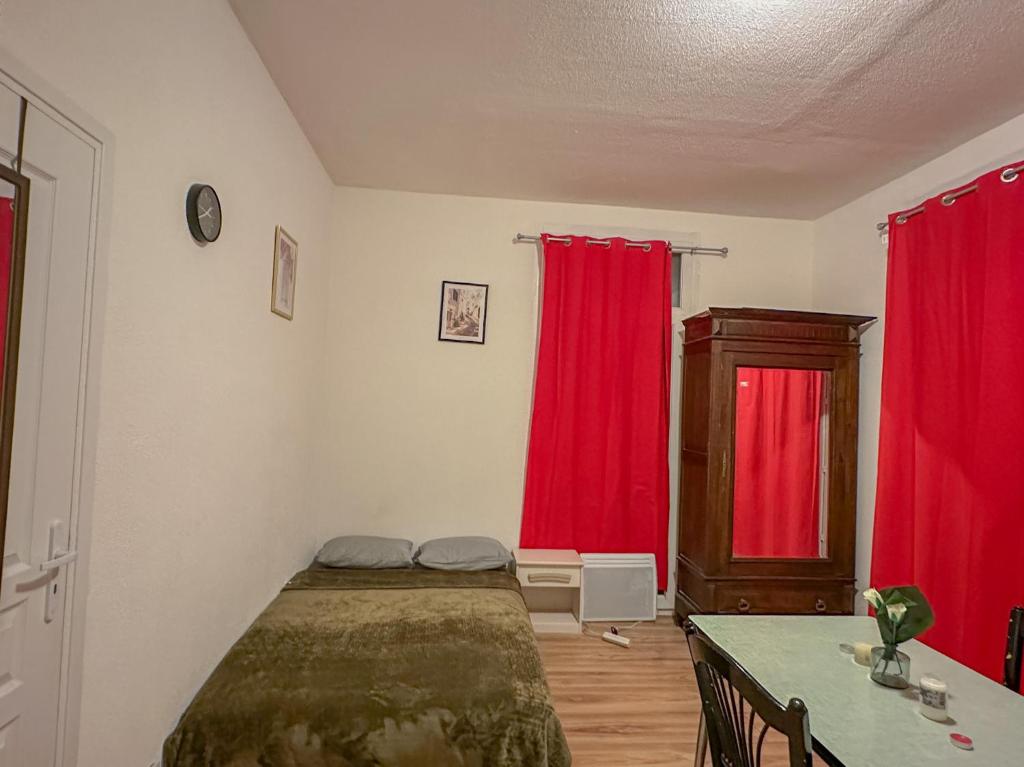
(6, 233)
(777, 479)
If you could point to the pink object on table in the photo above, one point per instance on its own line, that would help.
(962, 741)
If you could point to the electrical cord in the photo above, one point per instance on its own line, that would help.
(614, 629)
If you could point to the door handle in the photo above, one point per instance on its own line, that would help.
(58, 557)
(62, 558)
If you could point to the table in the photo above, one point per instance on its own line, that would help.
(855, 722)
(552, 584)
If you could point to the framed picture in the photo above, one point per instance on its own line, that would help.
(286, 253)
(463, 312)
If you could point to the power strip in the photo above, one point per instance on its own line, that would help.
(618, 639)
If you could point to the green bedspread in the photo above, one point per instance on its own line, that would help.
(396, 668)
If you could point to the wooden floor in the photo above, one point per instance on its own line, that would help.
(627, 706)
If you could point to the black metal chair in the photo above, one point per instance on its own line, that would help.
(737, 711)
(1014, 649)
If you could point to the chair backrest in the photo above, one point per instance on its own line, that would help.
(1014, 649)
(738, 711)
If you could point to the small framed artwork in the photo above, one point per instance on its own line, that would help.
(286, 253)
(463, 312)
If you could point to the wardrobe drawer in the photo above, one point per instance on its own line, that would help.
(548, 576)
(782, 597)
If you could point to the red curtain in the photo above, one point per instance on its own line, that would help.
(6, 233)
(950, 501)
(777, 485)
(597, 469)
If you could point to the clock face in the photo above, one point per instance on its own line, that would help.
(203, 213)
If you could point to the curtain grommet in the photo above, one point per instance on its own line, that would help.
(1009, 175)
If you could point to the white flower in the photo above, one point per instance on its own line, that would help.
(873, 598)
(896, 611)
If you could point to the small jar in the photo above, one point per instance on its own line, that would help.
(933, 698)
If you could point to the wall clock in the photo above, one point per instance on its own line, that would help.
(203, 213)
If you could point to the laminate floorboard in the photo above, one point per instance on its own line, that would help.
(637, 706)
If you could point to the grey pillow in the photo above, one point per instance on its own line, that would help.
(366, 552)
(466, 553)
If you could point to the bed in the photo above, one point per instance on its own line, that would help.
(390, 668)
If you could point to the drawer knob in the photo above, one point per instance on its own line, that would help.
(820, 606)
(743, 606)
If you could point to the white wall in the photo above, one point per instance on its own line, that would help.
(425, 438)
(849, 276)
(208, 401)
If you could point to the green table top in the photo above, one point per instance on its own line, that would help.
(863, 724)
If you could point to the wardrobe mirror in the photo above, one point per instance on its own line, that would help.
(8, 210)
(14, 197)
(780, 471)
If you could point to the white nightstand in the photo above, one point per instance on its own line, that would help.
(552, 588)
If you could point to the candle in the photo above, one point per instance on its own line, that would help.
(933, 698)
(862, 653)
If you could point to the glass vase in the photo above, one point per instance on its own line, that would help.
(890, 667)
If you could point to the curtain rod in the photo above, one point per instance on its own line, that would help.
(693, 251)
(1008, 175)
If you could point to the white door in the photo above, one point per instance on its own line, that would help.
(41, 519)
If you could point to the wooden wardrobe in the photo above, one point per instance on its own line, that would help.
(768, 462)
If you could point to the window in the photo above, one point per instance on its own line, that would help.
(677, 280)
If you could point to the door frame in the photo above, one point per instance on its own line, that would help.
(49, 100)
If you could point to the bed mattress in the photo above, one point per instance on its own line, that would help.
(390, 668)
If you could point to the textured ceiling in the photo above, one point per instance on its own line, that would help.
(759, 107)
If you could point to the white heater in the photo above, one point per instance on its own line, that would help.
(619, 587)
